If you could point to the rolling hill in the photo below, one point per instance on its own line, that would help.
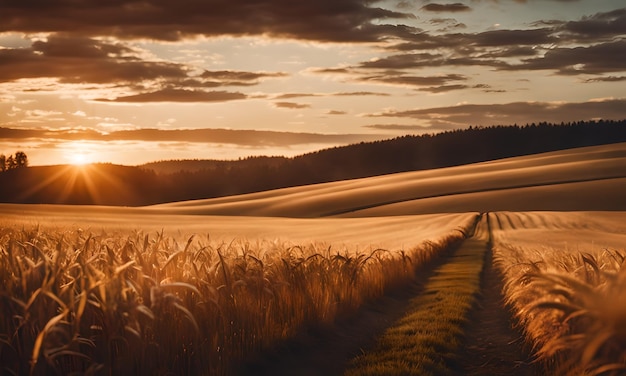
(107, 184)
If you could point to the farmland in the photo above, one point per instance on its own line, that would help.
(565, 279)
(192, 288)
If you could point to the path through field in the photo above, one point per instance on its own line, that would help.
(487, 343)
(493, 346)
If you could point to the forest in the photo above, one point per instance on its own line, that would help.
(169, 181)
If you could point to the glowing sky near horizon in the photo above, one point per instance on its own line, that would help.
(136, 81)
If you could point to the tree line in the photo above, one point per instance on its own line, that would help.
(143, 185)
(401, 154)
(19, 160)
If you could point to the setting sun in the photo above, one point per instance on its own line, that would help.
(79, 159)
(79, 153)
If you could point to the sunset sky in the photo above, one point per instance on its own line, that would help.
(130, 82)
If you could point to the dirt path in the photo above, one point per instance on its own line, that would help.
(491, 346)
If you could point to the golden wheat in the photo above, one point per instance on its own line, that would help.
(571, 305)
(74, 301)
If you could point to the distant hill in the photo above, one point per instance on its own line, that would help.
(98, 184)
(193, 165)
(170, 181)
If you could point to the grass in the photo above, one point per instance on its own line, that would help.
(78, 302)
(571, 305)
(427, 339)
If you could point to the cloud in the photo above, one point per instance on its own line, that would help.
(78, 60)
(412, 128)
(336, 112)
(322, 20)
(496, 38)
(595, 59)
(238, 78)
(456, 7)
(339, 94)
(444, 88)
(396, 127)
(82, 60)
(516, 112)
(296, 95)
(291, 105)
(248, 138)
(405, 61)
(606, 79)
(361, 94)
(447, 24)
(409, 80)
(591, 45)
(599, 25)
(179, 95)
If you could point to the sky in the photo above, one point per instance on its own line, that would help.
(132, 81)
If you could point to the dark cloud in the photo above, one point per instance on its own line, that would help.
(214, 136)
(396, 127)
(427, 59)
(291, 105)
(606, 79)
(600, 25)
(77, 60)
(595, 59)
(178, 95)
(591, 45)
(341, 94)
(237, 78)
(333, 70)
(411, 128)
(517, 112)
(401, 79)
(83, 60)
(322, 20)
(456, 7)
(405, 61)
(336, 112)
(496, 38)
(444, 88)
(509, 52)
(295, 95)
(361, 94)
(447, 24)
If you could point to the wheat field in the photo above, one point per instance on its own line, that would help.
(149, 303)
(565, 279)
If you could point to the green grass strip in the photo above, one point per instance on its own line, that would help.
(427, 339)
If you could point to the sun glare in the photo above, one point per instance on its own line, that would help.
(79, 159)
(79, 153)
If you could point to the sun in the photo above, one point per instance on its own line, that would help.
(80, 158)
(79, 153)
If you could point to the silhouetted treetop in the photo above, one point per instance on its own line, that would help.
(20, 160)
